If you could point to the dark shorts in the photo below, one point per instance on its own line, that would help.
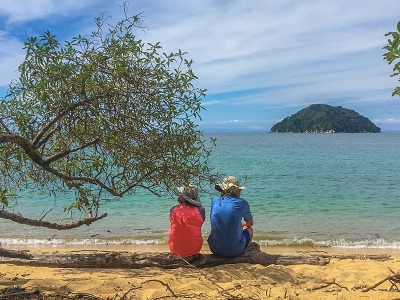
(247, 236)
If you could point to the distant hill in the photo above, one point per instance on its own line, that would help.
(325, 118)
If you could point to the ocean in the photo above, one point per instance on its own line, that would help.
(334, 190)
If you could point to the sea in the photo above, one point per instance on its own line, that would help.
(331, 190)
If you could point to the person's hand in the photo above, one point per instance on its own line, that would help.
(247, 224)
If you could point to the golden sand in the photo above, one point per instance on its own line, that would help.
(341, 279)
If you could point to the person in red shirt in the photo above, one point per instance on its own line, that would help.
(186, 219)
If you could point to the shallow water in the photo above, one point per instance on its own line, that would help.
(336, 190)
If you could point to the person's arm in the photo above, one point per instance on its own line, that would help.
(171, 210)
(246, 213)
(202, 212)
(248, 223)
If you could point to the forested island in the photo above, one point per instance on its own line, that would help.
(323, 118)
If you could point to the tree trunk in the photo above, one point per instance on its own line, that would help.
(109, 259)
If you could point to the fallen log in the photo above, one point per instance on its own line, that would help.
(14, 254)
(112, 259)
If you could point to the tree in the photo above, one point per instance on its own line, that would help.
(393, 54)
(103, 114)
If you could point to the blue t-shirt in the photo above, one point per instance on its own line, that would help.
(226, 237)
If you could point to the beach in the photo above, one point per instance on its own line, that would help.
(342, 278)
(330, 195)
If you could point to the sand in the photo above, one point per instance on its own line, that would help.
(341, 279)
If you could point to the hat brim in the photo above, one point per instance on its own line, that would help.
(195, 201)
(219, 188)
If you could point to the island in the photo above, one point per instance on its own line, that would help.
(323, 118)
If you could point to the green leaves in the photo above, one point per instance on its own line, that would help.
(4, 196)
(105, 113)
(393, 54)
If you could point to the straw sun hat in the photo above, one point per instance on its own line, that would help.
(229, 185)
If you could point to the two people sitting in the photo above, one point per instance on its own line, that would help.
(230, 217)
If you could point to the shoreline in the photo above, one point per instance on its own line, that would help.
(274, 249)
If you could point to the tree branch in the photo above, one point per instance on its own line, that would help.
(5, 126)
(30, 151)
(71, 181)
(25, 145)
(56, 119)
(46, 138)
(375, 285)
(67, 152)
(26, 221)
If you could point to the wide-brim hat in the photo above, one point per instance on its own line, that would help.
(189, 193)
(229, 185)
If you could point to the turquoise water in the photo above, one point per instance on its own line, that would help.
(323, 189)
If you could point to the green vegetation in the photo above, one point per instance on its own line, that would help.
(102, 115)
(325, 118)
(393, 54)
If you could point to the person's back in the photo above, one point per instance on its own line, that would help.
(185, 237)
(229, 237)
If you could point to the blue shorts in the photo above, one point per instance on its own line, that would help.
(247, 236)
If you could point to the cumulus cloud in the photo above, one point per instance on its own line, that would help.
(259, 54)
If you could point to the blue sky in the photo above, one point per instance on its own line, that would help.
(260, 61)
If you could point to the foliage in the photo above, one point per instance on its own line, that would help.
(393, 54)
(325, 118)
(106, 113)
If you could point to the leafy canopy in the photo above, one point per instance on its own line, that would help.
(106, 113)
(393, 54)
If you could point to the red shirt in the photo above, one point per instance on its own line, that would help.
(185, 231)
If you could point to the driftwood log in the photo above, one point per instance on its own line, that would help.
(131, 260)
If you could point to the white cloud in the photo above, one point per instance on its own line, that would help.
(26, 10)
(209, 103)
(11, 55)
(273, 52)
(387, 121)
(236, 121)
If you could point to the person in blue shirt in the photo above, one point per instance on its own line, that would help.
(230, 236)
